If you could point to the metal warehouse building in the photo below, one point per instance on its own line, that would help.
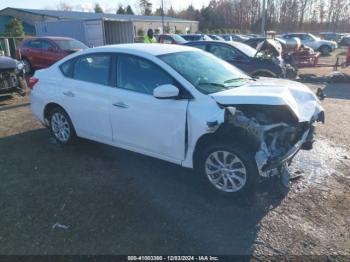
(93, 29)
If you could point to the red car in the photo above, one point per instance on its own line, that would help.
(41, 52)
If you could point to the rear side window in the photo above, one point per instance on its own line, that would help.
(92, 68)
(66, 68)
(36, 44)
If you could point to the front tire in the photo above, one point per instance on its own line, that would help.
(230, 169)
(325, 50)
(61, 126)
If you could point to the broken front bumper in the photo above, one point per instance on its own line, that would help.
(268, 167)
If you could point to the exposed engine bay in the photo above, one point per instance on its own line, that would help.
(12, 76)
(277, 133)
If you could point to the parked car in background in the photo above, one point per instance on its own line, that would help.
(216, 37)
(345, 41)
(12, 76)
(181, 105)
(254, 41)
(42, 52)
(171, 39)
(323, 46)
(244, 57)
(196, 37)
(331, 36)
(239, 38)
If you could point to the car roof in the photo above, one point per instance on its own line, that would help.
(151, 49)
(213, 42)
(51, 38)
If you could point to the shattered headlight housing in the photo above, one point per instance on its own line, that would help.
(19, 67)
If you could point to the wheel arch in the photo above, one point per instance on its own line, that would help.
(49, 107)
(324, 45)
(225, 134)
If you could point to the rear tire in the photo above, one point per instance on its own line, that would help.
(27, 66)
(230, 169)
(61, 126)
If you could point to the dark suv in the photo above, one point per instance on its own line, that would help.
(244, 57)
(41, 52)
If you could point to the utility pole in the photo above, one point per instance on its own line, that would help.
(263, 16)
(162, 16)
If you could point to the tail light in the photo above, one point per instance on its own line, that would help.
(32, 81)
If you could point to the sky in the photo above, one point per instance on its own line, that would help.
(107, 5)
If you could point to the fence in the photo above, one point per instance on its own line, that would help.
(8, 45)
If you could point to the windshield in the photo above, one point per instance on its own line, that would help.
(246, 49)
(179, 39)
(205, 72)
(70, 44)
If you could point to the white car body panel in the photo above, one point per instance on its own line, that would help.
(272, 91)
(152, 126)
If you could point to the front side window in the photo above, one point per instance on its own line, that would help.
(223, 52)
(140, 75)
(45, 45)
(92, 68)
(205, 72)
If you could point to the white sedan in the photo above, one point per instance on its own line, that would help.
(178, 104)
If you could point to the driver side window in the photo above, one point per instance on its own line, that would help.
(223, 52)
(139, 75)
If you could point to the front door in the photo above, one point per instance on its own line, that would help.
(142, 122)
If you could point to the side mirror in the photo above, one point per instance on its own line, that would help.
(166, 91)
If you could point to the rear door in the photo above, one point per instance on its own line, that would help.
(86, 93)
(50, 53)
(32, 51)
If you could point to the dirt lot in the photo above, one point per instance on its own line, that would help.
(94, 199)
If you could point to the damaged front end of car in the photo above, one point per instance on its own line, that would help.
(277, 133)
(12, 77)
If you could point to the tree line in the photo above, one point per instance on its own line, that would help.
(246, 15)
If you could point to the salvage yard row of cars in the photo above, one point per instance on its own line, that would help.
(214, 106)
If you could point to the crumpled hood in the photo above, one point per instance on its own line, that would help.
(271, 91)
(7, 62)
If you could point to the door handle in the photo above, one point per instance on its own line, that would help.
(68, 93)
(120, 104)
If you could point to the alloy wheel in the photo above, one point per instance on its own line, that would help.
(226, 171)
(60, 127)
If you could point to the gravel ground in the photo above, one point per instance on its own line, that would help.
(91, 198)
